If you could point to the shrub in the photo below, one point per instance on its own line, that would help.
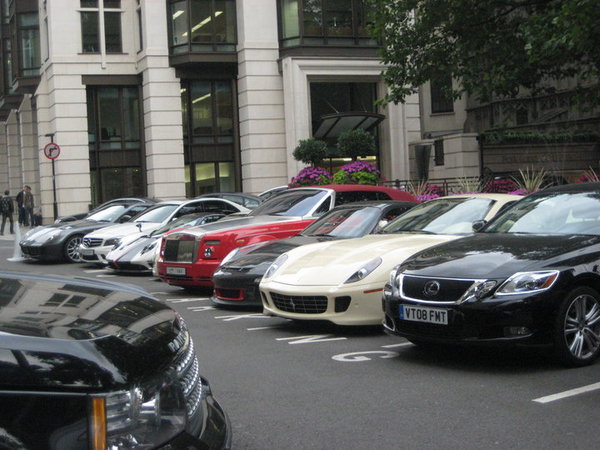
(357, 172)
(355, 143)
(310, 151)
(311, 176)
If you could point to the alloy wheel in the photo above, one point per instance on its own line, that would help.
(581, 327)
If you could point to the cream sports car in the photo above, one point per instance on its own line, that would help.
(342, 281)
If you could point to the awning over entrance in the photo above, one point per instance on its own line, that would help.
(332, 125)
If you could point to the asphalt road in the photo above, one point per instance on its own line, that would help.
(290, 386)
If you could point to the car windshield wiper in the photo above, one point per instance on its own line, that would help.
(411, 232)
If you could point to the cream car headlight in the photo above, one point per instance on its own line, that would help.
(281, 259)
(143, 417)
(528, 282)
(364, 271)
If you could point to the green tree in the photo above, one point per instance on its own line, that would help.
(310, 151)
(492, 48)
(355, 143)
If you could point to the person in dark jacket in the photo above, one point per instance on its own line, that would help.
(25, 203)
(7, 208)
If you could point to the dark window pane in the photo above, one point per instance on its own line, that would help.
(202, 111)
(202, 23)
(29, 35)
(205, 181)
(338, 17)
(441, 99)
(313, 18)
(89, 32)
(112, 31)
(110, 121)
(112, 3)
(224, 21)
(89, 3)
(179, 23)
(185, 111)
(131, 114)
(224, 107)
(122, 182)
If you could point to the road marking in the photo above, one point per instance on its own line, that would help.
(242, 316)
(397, 345)
(105, 276)
(310, 339)
(567, 394)
(364, 356)
(94, 270)
(186, 300)
(200, 308)
(260, 328)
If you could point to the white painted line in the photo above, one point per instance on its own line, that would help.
(94, 270)
(566, 394)
(260, 328)
(397, 345)
(186, 300)
(106, 276)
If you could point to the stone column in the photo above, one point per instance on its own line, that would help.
(260, 97)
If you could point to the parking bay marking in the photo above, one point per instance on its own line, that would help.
(310, 339)
(567, 394)
(187, 300)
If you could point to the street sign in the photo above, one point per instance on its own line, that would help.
(51, 150)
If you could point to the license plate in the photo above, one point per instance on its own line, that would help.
(86, 252)
(176, 270)
(424, 314)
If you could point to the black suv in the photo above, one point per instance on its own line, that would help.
(93, 364)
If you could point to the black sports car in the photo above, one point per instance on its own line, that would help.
(59, 241)
(97, 365)
(237, 278)
(530, 277)
(114, 201)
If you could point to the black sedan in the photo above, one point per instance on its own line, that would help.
(59, 241)
(530, 277)
(99, 365)
(237, 278)
(114, 201)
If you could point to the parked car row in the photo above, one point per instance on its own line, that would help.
(486, 269)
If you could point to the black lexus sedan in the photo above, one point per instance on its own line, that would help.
(237, 278)
(530, 277)
(89, 364)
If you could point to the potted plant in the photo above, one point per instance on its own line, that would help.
(357, 172)
(310, 151)
(311, 176)
(355, 143)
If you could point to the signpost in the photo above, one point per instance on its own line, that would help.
(51, 151)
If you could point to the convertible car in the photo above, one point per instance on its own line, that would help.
(89, 364)
(342, 281)
(60, 241)
(137, 252)
(528, 278)
(237, 278)
(188, 258)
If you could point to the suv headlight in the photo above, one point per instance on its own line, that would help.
(364, 271)
(142, 417)
(527, 282)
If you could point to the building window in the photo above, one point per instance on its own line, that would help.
(29, 43)
(91, 28)
(438, 152)
(8, 65)
(202, 26)
(114, 137)
(441, 98)
(208, 132)
(323, 22)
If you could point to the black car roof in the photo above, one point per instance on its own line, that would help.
(573, 188)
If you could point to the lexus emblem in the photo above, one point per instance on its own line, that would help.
(431, 288)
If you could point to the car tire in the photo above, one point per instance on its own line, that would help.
(70, 248)
(577, 328)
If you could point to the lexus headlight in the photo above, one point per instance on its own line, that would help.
(143, 417)
(527, 282)
(276, 265)
(478, 290)
(364, 270)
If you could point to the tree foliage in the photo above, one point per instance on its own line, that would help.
(493, 48)
(355, 143)
(310, 151)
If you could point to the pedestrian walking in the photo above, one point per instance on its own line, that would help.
(25, 203)
(7, 208)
